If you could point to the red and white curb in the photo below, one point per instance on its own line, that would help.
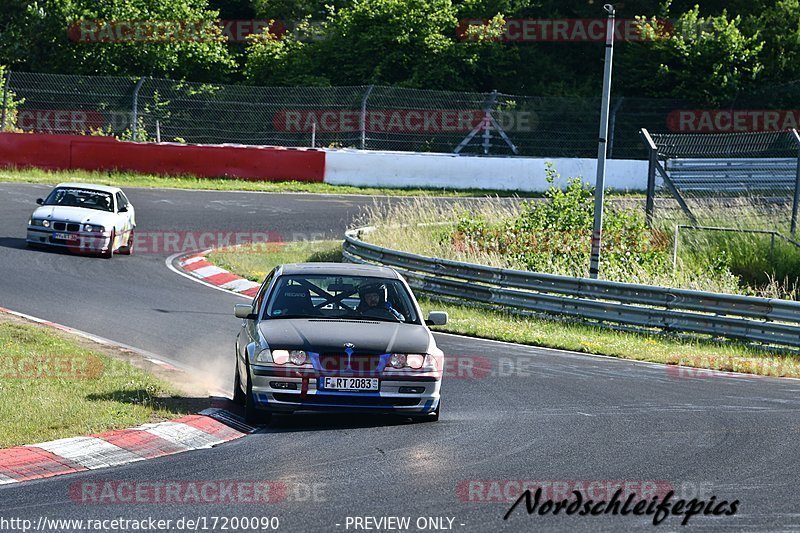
(209, 428)
(148, 441)
(197, 266)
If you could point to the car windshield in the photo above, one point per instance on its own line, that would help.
(85, 198)
(341, 297)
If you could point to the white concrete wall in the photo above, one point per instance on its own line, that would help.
(408, 169)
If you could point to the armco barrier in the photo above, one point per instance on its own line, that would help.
(65, 152)
(761, 320)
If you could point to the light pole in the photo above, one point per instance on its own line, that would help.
(597, 233)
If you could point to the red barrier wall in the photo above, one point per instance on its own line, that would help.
(257, 163)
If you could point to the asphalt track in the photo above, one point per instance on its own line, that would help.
(520, 413)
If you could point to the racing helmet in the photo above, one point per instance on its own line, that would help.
(373, 288)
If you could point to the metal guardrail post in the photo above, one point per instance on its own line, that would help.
(362, 119)
(5, 101)
(135, 110)
(652, 151)
(796, 199)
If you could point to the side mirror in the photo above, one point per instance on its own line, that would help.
(40, 201)
(244, 311)
(123, 209)
(436, 318)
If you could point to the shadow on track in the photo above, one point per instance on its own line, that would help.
(12, 242)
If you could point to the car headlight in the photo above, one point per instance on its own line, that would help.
(89, 228)
(295, 357)
(46, 223)
(264, 356)
(415, 361)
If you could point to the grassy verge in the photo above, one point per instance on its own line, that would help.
(130, 179)
(53, 385)
(256, 263)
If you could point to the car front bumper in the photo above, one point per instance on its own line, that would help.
(276, 390)
(85, 242)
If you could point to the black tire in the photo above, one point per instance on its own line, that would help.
(252, 414)
(429, 417)
(239, 395)
(108, 254)
(128, 248)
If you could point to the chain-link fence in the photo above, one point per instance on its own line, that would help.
(729, 201)
(369, 117)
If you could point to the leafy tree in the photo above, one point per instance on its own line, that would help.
(36, 38)
(702, 59)
(779, 27)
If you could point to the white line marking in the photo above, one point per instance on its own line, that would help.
(239, 285)
(89, 452)
(4, 480)
(182, 434)
(192, 260)
(208, 271)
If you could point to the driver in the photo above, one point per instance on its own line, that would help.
(375, 304)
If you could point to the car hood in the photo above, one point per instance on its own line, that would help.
(323, 335)
(74, 214)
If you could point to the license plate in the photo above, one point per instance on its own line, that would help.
(65, 236)
(351, 384)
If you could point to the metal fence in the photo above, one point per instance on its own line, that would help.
(369, 117)
(743, 180)
(605, 303)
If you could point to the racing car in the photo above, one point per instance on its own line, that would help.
(336, 337)
(84, 218)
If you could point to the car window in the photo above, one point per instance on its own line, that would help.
(346, 297)
(121, 201)
(258, 301)
(85, 198)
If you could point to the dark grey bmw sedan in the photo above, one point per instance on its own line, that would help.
(336, 337)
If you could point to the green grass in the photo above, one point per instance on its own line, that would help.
(51, 387)
(130, 179)
(256, 263)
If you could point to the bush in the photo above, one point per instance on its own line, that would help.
(555, 235)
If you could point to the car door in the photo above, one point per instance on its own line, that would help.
(125, 217)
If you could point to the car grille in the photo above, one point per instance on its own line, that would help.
(60, 226)
(322, 399)
(337, 362)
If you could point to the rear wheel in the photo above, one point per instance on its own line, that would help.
(128, 248)
(252, 414)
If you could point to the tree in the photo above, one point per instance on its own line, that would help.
(61, 36)
(707, 60)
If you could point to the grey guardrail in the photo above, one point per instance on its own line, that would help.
(762, 320)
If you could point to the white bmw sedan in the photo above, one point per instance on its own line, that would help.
(84, 218)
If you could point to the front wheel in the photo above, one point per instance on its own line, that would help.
(239, 395)
(108, 254)
(128, 248)
(433, 416)
(252, 414)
